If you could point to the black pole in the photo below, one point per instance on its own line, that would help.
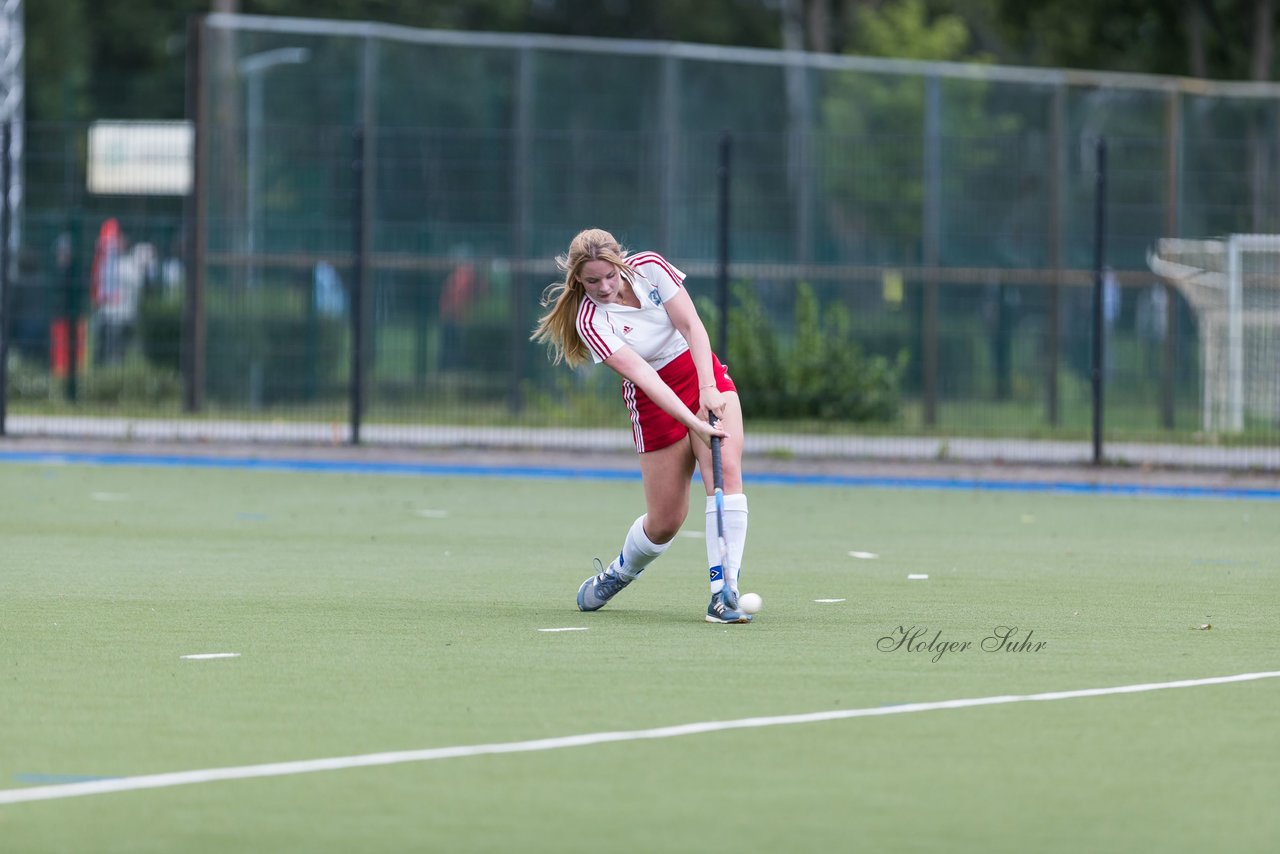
(722, 279)
(522, 168)
(71, 303)
(71, 267)
(1099, 264)
(357, 290)
(931, 214)
(5, 302)
(195, 213)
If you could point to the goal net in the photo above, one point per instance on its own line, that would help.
(1233, 287)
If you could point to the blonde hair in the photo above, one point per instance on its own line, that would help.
(558, 328)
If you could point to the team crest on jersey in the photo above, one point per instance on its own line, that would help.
(655, 297)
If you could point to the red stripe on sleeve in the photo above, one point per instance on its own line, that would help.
(586, 329)
(643, 258)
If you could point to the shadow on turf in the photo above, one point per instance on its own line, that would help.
(603, 618)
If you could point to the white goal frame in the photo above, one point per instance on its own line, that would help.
(1211, 275)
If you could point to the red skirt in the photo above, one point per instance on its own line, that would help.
(651, 427)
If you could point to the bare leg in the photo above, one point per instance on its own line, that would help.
(666, 474)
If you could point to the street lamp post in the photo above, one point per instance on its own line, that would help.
(253, 68)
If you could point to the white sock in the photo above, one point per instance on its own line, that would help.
(638, 551)
(735, 535)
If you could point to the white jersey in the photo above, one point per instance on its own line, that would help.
(648, 330)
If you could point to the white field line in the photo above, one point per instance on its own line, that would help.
(309, 766)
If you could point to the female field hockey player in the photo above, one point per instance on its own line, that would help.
(631, 312)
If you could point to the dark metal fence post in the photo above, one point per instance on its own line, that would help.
(722, 278)
(71, 302)
(522, 163)
(358, 356)
(1057, 167)
(5, 302)
(1173, 156)
(69, 248)
(192, 345)
(931, 214)
(1099, 275)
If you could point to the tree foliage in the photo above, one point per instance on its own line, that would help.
(126, 58)
(877, 194)
(122, 59)
(1211, 38)
(907, 30)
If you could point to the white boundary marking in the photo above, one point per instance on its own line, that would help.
(309, 766)
(566, 629)
(205, 656)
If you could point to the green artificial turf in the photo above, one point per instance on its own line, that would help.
(378, 613)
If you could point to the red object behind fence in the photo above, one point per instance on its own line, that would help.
(59, 357)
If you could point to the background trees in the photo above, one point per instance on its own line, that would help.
(125, 58)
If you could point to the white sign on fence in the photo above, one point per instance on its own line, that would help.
(151, 158)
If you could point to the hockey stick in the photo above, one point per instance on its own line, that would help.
(717, 481)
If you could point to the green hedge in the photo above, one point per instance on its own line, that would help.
(818, 371)
(160, 329)
(275, 335)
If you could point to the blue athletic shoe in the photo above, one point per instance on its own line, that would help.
(597, 590)
(720, 612)
(730, 597)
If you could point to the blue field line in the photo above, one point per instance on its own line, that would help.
(1052, 486)
(543, 472)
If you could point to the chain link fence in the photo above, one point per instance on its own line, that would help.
(372, 214)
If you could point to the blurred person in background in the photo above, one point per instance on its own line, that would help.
(117, 279)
